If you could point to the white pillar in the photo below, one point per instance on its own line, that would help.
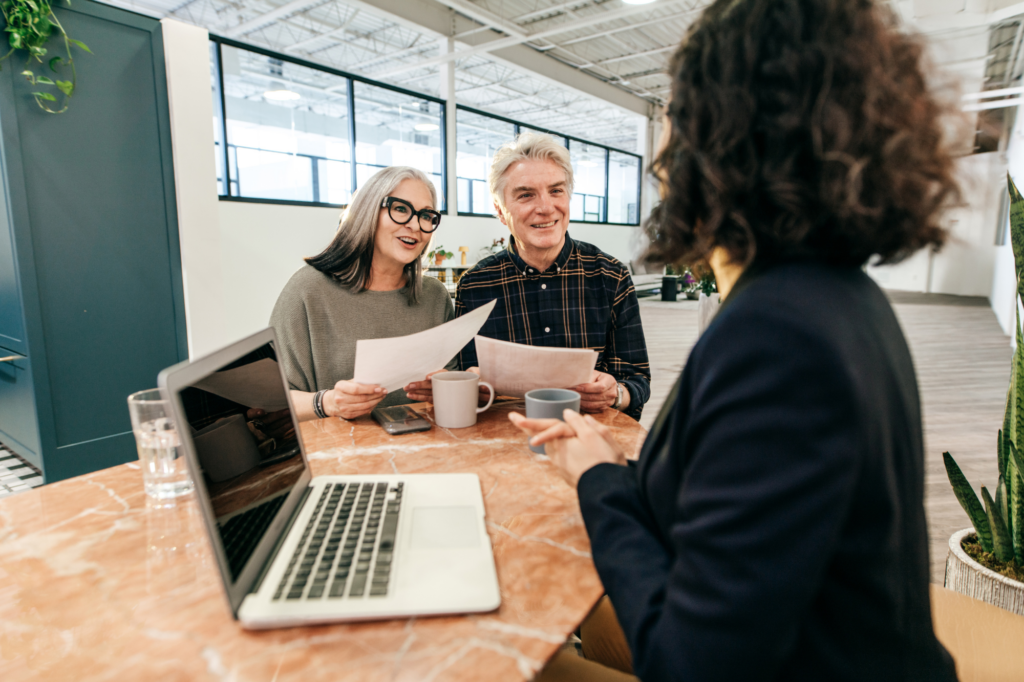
(447, 45)
(649, 191)
(187, 57)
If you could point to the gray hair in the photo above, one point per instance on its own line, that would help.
(350, 254)
(528, 145)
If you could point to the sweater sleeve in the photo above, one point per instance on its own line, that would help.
(769, 459)
(295, 350)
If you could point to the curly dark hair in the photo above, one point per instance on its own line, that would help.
(800, 128)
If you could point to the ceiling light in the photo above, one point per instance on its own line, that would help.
(425, 127)
(637, 2)
(279, 92)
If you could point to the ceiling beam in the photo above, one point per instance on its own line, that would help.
(428, 15)
(630, 27)
(273, 15)
(320, 36)
(565, 27)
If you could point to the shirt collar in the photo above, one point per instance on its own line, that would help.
(527, 270)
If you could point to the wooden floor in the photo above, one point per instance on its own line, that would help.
(962, 359)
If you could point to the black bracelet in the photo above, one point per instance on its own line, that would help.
(318, 404)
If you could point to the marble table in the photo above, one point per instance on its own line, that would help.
(97, 583)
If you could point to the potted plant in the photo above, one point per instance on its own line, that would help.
(438, 254)
(987, 561)
(497, 246)
(690, 285)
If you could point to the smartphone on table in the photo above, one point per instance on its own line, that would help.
(400, 419)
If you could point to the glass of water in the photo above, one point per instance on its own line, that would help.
(164, 471)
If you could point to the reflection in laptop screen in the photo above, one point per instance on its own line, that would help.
(245, 440)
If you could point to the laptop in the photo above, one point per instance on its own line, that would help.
(294, 549)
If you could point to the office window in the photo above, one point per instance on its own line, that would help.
(396, 129)
(623, 188)
(477, 137)
(589, 167)
(287, 130)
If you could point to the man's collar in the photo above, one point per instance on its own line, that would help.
(525, 269)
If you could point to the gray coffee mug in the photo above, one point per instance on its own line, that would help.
(549, 403)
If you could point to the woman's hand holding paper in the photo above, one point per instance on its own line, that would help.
(350, 400)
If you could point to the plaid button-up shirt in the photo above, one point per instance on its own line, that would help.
(584, 300)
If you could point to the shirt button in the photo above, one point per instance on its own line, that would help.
(547, 329)
(530, 270)
(543, 286)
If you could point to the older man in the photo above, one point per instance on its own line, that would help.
(551, 289)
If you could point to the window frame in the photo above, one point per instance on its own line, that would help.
(220, 110)
(569, 139)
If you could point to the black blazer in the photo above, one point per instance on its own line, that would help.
(773, 527)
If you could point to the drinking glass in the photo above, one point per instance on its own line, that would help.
(164, 471)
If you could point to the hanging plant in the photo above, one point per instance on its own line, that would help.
(30, 23)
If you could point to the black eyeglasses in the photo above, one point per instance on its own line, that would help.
(401, 211)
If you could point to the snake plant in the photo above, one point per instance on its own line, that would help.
(999, 523)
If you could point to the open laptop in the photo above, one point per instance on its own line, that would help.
(297, 550)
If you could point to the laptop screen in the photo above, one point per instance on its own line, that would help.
(245, 440)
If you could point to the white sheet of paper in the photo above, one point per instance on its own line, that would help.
(257, 384)
(395, 362)
(515, 368)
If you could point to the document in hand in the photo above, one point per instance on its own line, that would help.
(515, 368)
(395, 362)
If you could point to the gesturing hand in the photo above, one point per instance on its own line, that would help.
(575, 445)
(598, 394)
(349, 400)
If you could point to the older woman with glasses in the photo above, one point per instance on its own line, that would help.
(367, 284)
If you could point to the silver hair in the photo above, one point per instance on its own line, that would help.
(350, 254)
(528, 145)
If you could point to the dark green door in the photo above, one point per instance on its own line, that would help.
(95, 214)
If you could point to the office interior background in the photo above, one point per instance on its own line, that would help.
(277, 111)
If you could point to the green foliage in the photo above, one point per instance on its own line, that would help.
(969, 501)
(1000, 524)
(439, 251)
(1001, 542)
(707, 284)
(1016, 513)
(30, 25)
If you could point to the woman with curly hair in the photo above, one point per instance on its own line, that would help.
(773, 527)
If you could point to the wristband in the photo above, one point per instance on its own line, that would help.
(318, 404)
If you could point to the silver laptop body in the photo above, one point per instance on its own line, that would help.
(298, 550)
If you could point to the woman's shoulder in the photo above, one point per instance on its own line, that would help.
(434, 291)
(305, 281)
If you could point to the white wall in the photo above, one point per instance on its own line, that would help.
(1004, 280)
(965, 266)
(187, 57)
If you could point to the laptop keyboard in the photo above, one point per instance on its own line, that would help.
(348, 546)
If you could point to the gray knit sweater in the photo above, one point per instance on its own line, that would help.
(318, 322)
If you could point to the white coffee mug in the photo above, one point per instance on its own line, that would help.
(455, 398)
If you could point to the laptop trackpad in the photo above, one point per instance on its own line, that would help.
(445, 528)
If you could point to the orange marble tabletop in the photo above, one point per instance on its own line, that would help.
(97, 583)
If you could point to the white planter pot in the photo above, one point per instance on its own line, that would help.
(967, 576)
